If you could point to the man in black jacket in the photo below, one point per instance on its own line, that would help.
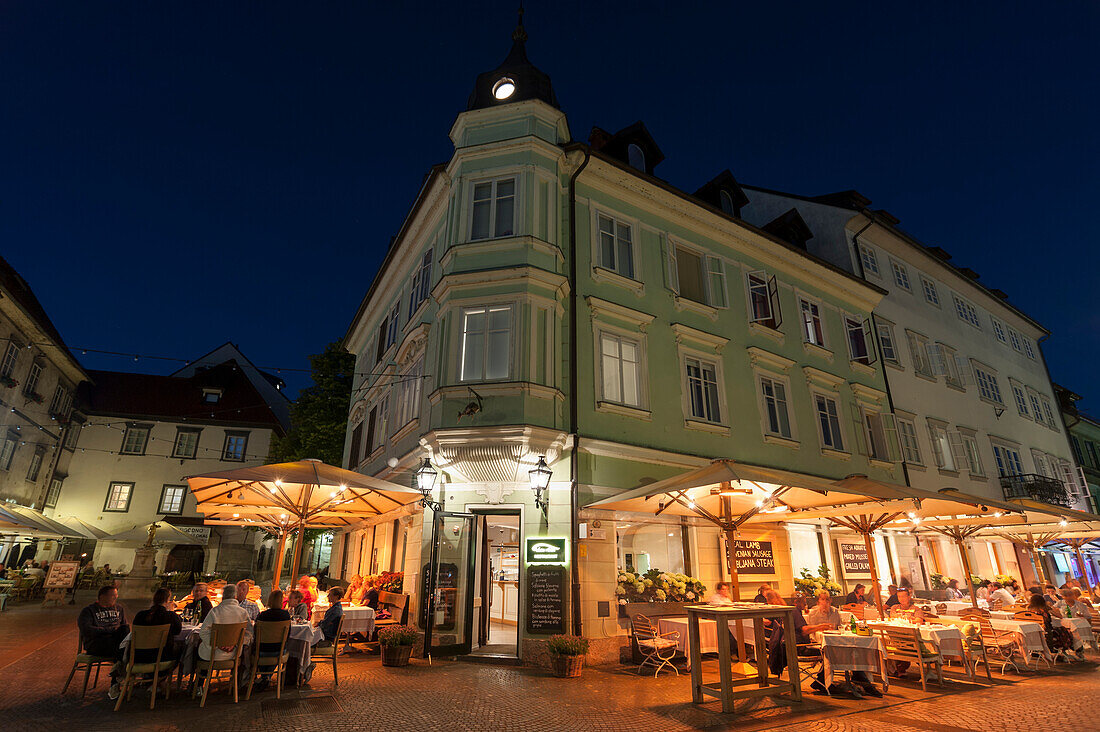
(102, 627)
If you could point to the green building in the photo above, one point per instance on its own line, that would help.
(553, 299)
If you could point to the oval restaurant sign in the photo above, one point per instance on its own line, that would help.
(543, 550)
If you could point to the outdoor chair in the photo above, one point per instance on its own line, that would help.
(326, 652)
(228, 637)
(941, 608)
(85, 662)
(856, 608)
(998, 644)
(905, 644)
(1028, 616)
(25, 588)
(269, 632)
(657, 650)
(147, 638)
(996, 604)
(810, 664)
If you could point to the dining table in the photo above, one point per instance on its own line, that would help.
(844, 651)
(947, 638)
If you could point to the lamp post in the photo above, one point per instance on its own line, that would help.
(426, 477)
(540, 483)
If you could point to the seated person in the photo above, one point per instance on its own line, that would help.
(891, 595)
(226, 612)
(200, 603)
(308, 596)
(330, 623)
(250, 607)
(721, 595)
(370, 594)
(354, 589)
(273, 614)
(761, 594)
(858, 595)
(998, 592)
(823, 613)
(1071, 606)
(159, 614)
(296, 606)
(906, 610)
(982, 590)
(953, 591)
(1057, 637)
(102, 627)
(777, 649)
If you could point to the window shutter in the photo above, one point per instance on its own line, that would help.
(889, 423)
(966, 377)
(672, 272)
(758, 283)
(869, 341)
(1082, 482)
(773, 298)
(716, 282)
(936, 359)
(937, 447)
(958, 450)
(861, 442)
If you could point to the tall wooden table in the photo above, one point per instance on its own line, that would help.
(730, 688)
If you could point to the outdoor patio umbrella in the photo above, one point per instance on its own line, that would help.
(34, 523)
(166, 534)
(83, 527)
(298, 495)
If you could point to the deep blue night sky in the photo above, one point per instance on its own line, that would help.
(175, 175)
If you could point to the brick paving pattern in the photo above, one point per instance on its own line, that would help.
(37, 646)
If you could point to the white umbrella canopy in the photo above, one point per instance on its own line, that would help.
(36, 523)
(82, 527)
(166, 534)
(298, 495)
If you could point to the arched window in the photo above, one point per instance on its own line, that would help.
(635, 157)
(726, 201)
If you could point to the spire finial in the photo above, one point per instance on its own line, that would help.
(519, 35)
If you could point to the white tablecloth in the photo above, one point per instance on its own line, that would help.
(947, 638)
(847, 652)
(954, 607)
(357, 619)
(708, 634)
(1081, 630)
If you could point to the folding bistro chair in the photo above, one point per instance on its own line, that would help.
(226, 637)
(998, 644)
(809, 664)
(147, 638)
(269, 632)
(332, 651)
(85, 662)
(905, 644)
(658, 650)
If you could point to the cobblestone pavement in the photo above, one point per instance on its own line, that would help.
(37, 646)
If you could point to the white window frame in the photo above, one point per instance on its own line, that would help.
(638, 365)
(231, 435)
(131, 447)
(999, 330)
(835, 421)
(813, 323)
(420, 283)
(494, 200)
(760, 284)
(170, 489)
(1014, 340)
(53, 492)
(887, 342)
(966, 311)
(1048, 412)
(7, 451)
(1019, 395)
(701, 360)
(11, 359)
(973, 456)
(119, 493)
(180, 432)
(869, 259)
(876, 427)
(34, 468)
(766, 402)
(408, 394)
(1007, 456)
(488, 309)
(989, 389)
(907, 440)
(617, 222)
(860, 324)
(931, 293)
(712, 272)
(940, 438)
(33, 376)
(919, 353)
(1029, 350)
(900, 274)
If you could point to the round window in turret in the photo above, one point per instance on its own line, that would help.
(504, 88)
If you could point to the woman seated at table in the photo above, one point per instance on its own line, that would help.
(296, 606)
(273, 614)
(372, 586)
(355, 589)
(1058, 638)
(777, 648)
(823, 613)
(308, 596)
(953, 591)
(199, 604)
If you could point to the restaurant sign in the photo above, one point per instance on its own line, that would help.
(754, 557)
(853, 557)
(542, 550)
(202, 533)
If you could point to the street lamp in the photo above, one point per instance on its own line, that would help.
(540, 483)
(426, 477)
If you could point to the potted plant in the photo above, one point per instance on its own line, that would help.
(567, 654)
(397, 644)
(637, 590)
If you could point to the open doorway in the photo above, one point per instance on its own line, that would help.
(497, 598)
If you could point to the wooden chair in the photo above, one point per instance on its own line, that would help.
(657, 650)
(25, 588)
(941, 608)
(147, 638)
(1028, 616)
(227, 637)
(269, 632)
(996, 604)
(856, 608)
(398, 607)
(86, 661)
(325, 652)
(905, 644)
(1000, 644)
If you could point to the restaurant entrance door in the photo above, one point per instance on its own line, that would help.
(497, 599)
(450, 580)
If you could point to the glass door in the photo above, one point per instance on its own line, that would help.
(450, 581)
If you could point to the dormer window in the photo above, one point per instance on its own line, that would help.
(726, 201)
(211, 396)
(635, 157)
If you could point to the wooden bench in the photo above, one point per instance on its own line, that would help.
(398, 607)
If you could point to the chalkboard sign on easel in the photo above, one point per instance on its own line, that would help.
(546, 600)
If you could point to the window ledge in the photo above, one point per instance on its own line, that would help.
(956, 387)
(623, 410)
(862, 368)
(602, 274)
(695, 424)
(894, 365)
(836, 454)
(684, 303)
(926, 377)
(780, 440)
(916, 466)
(405, 429)
(759, 329)
(949, 473)
(880, 463)
(378, 452)
(998, 404)
(815, 350)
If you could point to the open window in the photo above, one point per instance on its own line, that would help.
(764, 300)
(858, 329)
(697, 276)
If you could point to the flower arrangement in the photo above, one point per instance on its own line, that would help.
(567, 645)
(8, 381)
(390, 581)
(658, 586)
(939, 582)
(1004, 579)
(397, 635)
(810, 585)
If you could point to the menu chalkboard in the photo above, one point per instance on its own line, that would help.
(754, 557)
(545, 599)
(854, 559)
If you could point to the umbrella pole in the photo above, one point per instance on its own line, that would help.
(279, 560)
(1040, 570)
(869, 544)
(740, 666)
(295, 564)
(966, 568)
(1081, 564)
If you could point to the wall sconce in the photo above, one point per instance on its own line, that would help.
(426, 477)
(540, 483)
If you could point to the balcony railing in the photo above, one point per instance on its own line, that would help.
(1035, 487)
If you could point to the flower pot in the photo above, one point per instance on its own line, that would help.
(396, 655)
(567, 667)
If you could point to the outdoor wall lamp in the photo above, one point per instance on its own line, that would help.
(426, 477)
(540, 483)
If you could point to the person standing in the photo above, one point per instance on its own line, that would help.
(102, 627)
